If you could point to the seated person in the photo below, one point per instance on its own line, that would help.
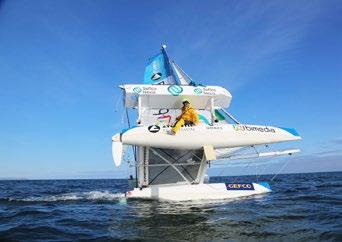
(189, 116)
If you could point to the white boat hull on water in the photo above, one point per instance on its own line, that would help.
(173, 167)
(195, 137)
(213, 191)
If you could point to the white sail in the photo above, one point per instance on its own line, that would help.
(183, 78)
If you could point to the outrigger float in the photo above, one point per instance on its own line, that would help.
(174, 167)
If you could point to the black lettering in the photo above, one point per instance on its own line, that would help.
(162, 111)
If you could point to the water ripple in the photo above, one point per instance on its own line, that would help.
(302, 207)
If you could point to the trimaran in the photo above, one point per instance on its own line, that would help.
(174, 167)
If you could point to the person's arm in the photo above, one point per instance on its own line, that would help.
(179, 116)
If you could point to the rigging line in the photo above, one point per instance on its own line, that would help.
(117, 104)
(136, 177)
(243, 168)
(175, 168)
(243, 148)
(256, 151)
(280, 170)
(230, 116)
(124, 106)
(134, 150)
(265, 167)
(123, 117)
(132, 167)
(260, 173)
(222, 170)
(256, 171)
(158, 175)
(194, 154)
(234, 152)
(129, 172)
(269, 148)
(178, 158)
(183, 71)
(127, 116)
(220, 164)
(176, 161)
(256, 165)
(135, 161)
(174, 164)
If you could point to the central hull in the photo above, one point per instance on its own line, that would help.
(212, 191)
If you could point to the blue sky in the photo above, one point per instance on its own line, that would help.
(61, 62)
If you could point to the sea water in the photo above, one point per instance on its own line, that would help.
(302, 207)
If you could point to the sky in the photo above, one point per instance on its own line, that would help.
(61, 63)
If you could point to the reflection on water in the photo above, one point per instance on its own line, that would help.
(152, 219)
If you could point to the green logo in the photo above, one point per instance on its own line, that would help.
(175, 90)
(137, 90)
(198, 91)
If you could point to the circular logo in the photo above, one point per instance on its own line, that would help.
(198, 91)
(175, 90)
(137, 90)
(153, 128)
(156, 76)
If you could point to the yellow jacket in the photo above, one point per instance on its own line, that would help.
(189, 114)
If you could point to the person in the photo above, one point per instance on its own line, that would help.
(189, 116)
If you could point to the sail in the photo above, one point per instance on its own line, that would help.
(181, 76)
(161, 70)
(158, 70)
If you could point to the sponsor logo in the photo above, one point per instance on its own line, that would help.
(162, 111)
(187, 129)
(137, 90)
(175, 90)
(203, 119)
(198, 91)
(156, 76)
(209, 91)
(145, 90)
(164, 119)
(238, 127)
(214, 127)
(149, 90)
(153, 128)
(239, 186)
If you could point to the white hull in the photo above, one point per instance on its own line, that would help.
(195, 137)
(213, 191)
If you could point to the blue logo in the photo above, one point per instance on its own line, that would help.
(137, 90)
(198, 91)
(239, 186)
(175, 90)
